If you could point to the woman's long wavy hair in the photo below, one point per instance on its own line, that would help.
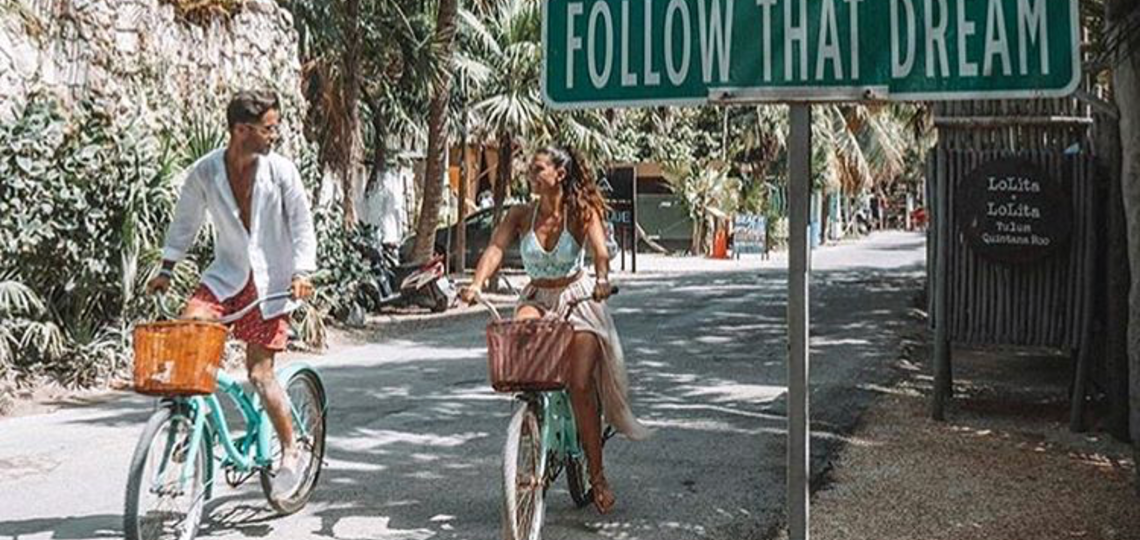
(580, 193)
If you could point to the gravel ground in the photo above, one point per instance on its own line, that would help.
(1003, 466)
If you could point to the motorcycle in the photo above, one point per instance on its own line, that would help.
(404, 285)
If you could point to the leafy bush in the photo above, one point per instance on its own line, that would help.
(81, 199)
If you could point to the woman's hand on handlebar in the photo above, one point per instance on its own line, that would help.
(603, 290)
(469, 294)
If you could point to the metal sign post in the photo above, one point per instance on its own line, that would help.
(799, 268)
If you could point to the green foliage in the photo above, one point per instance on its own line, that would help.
(343, 271)
(85, 200)
(82, 199)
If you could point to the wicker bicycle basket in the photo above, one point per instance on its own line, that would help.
(178, 358)
(528, 355)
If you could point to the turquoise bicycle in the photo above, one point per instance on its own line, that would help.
(542, 442)
(172, 473)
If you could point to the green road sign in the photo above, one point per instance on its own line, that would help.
(612, 53)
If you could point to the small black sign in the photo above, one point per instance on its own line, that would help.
(617, 184)
(1010, 212)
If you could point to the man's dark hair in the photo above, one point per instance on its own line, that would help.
(248, 106)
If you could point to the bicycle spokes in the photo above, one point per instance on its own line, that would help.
(175, 485)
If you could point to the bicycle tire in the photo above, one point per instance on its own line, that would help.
(133, 526)
(576, 481)
(315, 390)
(522, 519)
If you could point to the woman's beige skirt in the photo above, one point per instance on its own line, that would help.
(591, 316)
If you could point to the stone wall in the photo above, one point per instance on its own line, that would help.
(132, 53)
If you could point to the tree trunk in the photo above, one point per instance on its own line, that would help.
(698, 239)
(379, 150)
(461, 228)
(1116, 279)
(437, 134)
(1126, 90)
(824, 215)
(502, 188)
(350, 94)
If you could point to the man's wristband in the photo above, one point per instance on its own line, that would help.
(166, 273)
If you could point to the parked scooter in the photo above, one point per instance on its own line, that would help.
(404, 285)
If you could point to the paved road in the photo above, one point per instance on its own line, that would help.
(415, 434)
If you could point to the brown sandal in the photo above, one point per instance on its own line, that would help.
(601, 494)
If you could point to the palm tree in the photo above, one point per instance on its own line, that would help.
(503, 54)
(437, 132)
(331, 53)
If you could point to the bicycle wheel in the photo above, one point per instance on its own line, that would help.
(524, 474)
(307, 399)
(159, 504)
(576, 481)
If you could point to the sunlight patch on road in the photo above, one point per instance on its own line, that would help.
(371, 439)
(375, 528)
(342, 465)
(727, 391)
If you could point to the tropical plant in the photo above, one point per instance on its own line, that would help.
(501, 54)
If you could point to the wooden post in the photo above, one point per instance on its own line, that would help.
(943, 383)
(461, 226)
(799, 269)
(633, 222)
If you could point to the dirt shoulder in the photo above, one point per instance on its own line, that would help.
(1003, 466)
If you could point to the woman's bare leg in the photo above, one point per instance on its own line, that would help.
(583, 355)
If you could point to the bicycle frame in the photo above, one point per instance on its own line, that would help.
(247, 453)
(558, 431)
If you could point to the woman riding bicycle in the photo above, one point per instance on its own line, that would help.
(555, 230)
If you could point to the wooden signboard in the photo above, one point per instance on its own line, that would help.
(1011, 212)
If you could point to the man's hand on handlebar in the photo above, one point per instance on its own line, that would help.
(157, 284)
(301, 288)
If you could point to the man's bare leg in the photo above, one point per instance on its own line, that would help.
(259, 363)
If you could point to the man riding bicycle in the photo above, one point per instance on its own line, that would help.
(264, 243)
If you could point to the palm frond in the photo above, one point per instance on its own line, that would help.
(17, 299)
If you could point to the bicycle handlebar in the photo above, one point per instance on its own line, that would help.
(481, 300)
(169, 314)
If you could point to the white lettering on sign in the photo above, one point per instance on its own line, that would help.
(716, 37)
(1012, 210)
(902, 68)
(600, 78)
(652, 78)
(687, 44)
(854, 14)
(766, 11)
(1013, 184)
(966, 28)
(676, 73)
(936, 39)
(627, 78)
(996, 43)
(828, 49)
(573, 42)
(1032, 26)
(793, 34)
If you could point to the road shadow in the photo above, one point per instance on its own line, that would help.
(416, 434)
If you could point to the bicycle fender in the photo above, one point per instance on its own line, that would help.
(287, 372)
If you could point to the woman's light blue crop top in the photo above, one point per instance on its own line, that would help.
(565, 260)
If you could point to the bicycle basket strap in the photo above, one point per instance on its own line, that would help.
(527, 355)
